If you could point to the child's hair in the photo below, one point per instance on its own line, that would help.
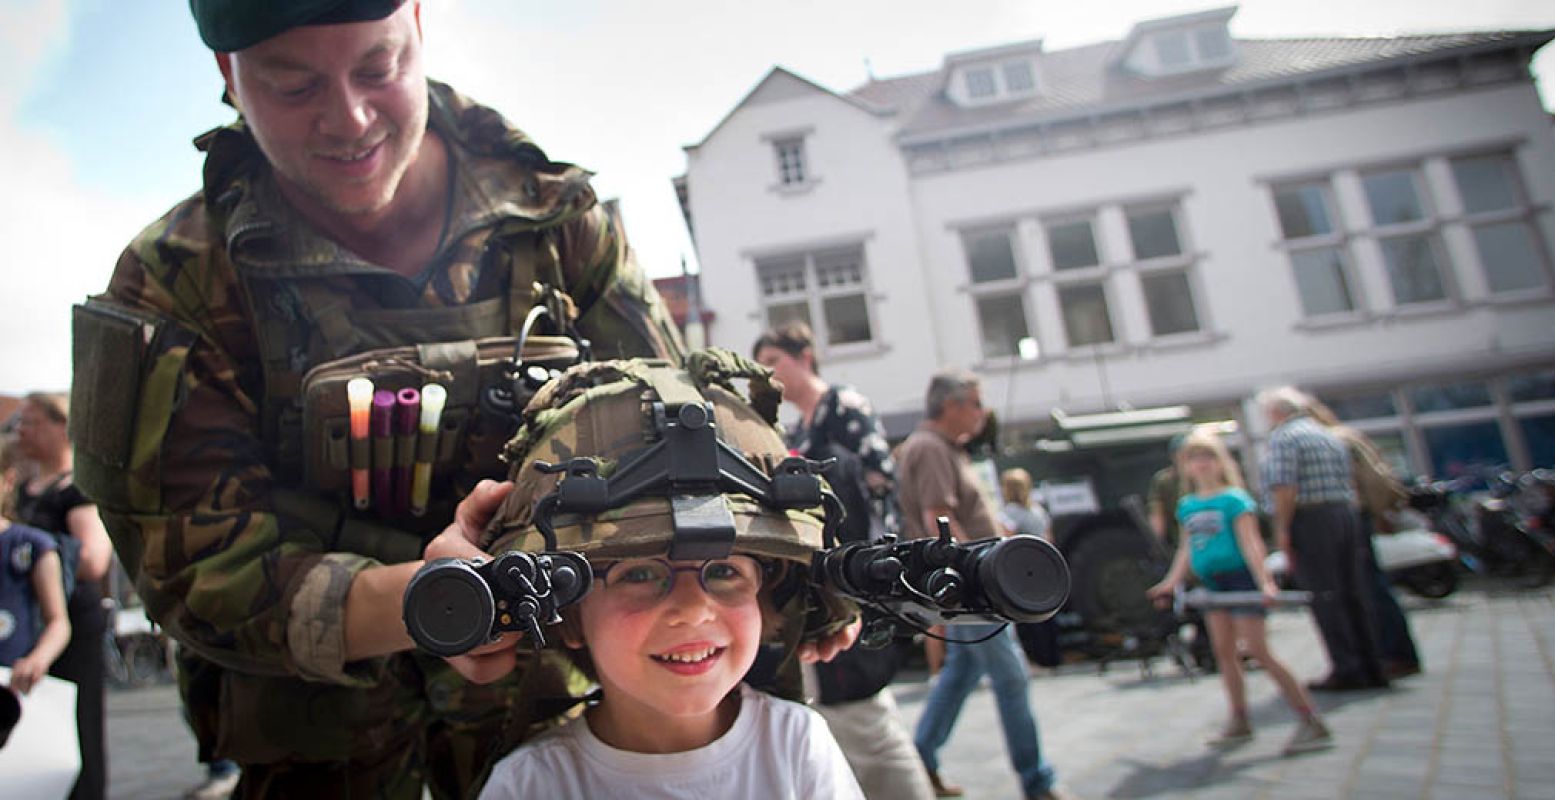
(1015, 485)
(1206, 438)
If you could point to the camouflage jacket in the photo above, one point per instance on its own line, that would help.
(170, 438)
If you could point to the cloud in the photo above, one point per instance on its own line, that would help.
(61, 238)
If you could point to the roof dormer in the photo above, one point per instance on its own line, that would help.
(1168, 46)
(994, 75)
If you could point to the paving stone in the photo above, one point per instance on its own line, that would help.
(1486, 700)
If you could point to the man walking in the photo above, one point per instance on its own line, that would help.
(1307, 477)
(936, 480)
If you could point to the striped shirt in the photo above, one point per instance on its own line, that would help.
(1306, 455)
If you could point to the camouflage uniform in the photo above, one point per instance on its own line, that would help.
(187, 382)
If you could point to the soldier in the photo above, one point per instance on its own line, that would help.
(356, 220)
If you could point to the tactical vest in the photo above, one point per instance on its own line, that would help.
(312, 343)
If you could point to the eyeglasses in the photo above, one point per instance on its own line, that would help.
(642, 583)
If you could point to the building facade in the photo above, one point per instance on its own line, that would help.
(1179, 217)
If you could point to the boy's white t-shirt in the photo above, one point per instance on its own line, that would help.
(775, 749)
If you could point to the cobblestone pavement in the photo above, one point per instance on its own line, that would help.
(1479, 723)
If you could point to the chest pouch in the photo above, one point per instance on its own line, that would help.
(393, 428)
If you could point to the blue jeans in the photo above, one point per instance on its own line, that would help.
(1001, 659)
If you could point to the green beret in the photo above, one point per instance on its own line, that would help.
(227, 26)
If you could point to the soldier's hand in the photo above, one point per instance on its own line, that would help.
(828, 648)
(491, 661)
(459, 539)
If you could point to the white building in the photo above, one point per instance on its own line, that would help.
(1178, 217)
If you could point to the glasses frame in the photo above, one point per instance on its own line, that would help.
(763, 570)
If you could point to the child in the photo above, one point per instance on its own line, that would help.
(1221, 542)
(30, 582)
(668, 641)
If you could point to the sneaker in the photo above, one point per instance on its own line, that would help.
(216, 787)
(1310, 735)
(1394, 670)
(1236, 732)
(944, 789)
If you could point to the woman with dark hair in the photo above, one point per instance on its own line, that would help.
(47, 499)
(835, 421)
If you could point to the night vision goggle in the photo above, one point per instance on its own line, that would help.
(454, 605)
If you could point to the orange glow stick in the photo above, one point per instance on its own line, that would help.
(359, 393)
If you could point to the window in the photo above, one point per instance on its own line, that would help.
(1509, 257)
(1163, 272)
(1169, 300)
(1303, 210)
(1072, 245)
(1002, 321)
(1393, 197)
(1393, 449)
(1539, 433)
(1322, 282)
(1318, 258)
(1532, 386)
(1449, 397)
(825, 286)
(1363, 406)
(1153, 233)
(1212, 43)
(990, 254)
(1509, 250)
(1415, 267)
(1086, 320)
(1465, 449)
(1463, 425)
(1001, 309)
(979, 83)
(790, 161)
(1486, 183)
(1018, 78)
(1171, 48)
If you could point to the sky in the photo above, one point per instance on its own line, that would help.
(99, 100)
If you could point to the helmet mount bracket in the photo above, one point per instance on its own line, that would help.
(690, 466)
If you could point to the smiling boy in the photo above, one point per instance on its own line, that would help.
(670, 626)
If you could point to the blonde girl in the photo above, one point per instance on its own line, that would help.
(1221, 544)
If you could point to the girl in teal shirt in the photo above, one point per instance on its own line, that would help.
(1220, 542)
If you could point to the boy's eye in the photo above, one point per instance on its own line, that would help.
(722, 571)
(638, 574)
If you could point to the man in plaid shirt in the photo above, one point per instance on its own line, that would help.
(1306, 477)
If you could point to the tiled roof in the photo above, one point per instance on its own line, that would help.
(1088, 78)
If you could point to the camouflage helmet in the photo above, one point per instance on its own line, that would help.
(604, 431)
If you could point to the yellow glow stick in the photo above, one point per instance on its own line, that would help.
(359, 393)
(433, 398)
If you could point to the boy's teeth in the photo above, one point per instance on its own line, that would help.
(689, 656)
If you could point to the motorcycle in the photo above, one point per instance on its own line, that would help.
(1422, 561)
(1473, 512)
(1534, 503)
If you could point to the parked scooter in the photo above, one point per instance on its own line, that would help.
(1498, 520)
(1422, 561)
(1534, 503)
